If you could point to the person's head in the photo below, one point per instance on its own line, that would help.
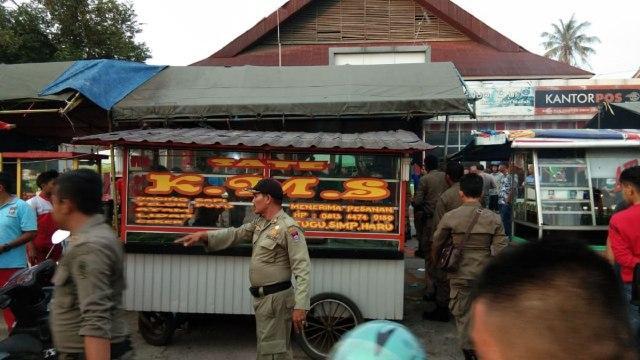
(267, 196)
(454, 172)
(473, 169)
(431, 162)
(550, 300)
(471, 187)
(76, 193)
(494, 168)
(503, 168)
(46, 181)
(380, 340)
(480, 167)
(630, 182)
(6, 183)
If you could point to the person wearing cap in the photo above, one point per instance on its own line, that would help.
(279, 251)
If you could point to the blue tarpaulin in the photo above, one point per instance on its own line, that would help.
(105, 82)
(602, 134)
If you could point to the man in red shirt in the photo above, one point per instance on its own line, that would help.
(38, 249)
(625, 237)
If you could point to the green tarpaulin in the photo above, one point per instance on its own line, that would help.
(329, 91)
(25, 81)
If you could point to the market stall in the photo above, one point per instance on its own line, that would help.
(567, 179)
(27, 165)
(340, 140)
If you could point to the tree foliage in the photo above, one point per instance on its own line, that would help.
(62, 30)
(568, 43)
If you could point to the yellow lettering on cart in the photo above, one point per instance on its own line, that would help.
(239, 183)
(221, 162)
(214, 190)
(366, 189)
(165, 184)
(300, 187)
(249, 163)
(313, 165)
(280, 164)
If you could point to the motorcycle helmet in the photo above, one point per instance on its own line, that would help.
(378, 340)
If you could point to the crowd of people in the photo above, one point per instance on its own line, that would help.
(562, 300)
(470, 208)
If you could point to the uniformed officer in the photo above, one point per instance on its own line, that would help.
(431, 186)
(86, 311)
(279, 250)
(449, 200)
(486, 238)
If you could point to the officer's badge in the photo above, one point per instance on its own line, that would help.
(295, 235)
(274, 232)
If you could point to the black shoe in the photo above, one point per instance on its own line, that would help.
(419, 253)
(469, 355)
(441, 314)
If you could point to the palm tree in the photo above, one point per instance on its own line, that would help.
(568, 42)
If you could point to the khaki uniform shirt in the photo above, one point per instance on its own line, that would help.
(449, 200)
(431, 186)
(487, 238)
(89, 281)
(279, 250)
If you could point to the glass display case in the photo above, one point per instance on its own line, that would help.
(569, 192)
(564, 183)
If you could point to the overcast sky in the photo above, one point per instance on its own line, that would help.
(185, 31)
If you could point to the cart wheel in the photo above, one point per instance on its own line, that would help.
(156, 328)
(330, 316)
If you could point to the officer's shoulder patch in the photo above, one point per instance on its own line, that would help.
(295, 234)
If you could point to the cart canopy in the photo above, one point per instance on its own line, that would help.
(497, 145)
(399, 140)
(308, 91)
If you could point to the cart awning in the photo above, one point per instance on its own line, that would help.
(308, 91)
(497, 145)
(399, 140)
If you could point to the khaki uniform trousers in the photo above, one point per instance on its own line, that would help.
(460, 306)
(273, 325)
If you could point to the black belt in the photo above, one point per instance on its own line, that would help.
(259, 291)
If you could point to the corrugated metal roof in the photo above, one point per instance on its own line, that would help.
(380, 140)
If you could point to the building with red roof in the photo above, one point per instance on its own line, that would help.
(519, 89)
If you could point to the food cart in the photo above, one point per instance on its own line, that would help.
(338, 138)
(567, 179)
(27, 165)
(345, 190)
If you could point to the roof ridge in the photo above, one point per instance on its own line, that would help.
(446, 10)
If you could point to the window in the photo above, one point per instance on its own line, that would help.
(328, 194)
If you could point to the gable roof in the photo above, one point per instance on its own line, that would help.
(487, 43)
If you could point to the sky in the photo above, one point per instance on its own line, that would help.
(185, 31)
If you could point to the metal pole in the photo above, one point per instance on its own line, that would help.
(113, 187)
(424, 137)
(446, 137)
(1, 160)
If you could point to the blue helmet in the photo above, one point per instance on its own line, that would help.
(378, 340)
